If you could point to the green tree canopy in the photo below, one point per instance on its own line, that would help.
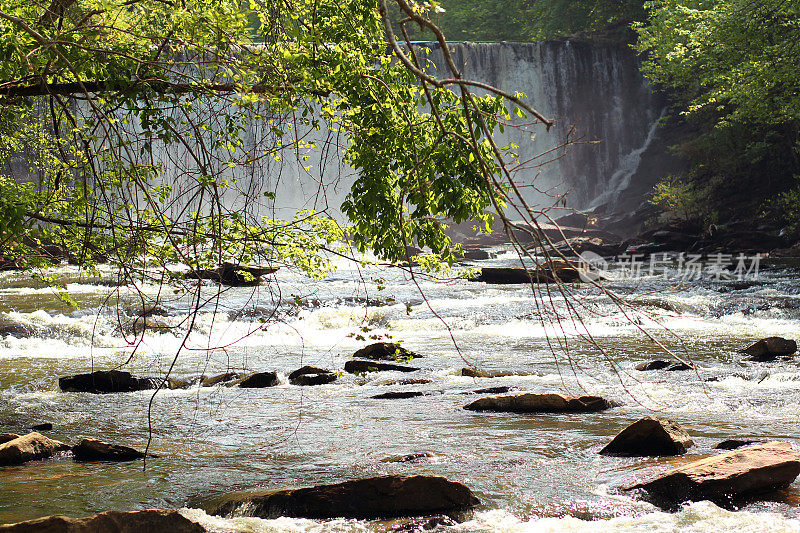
(91, 91)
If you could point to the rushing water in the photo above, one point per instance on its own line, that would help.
(532, 472)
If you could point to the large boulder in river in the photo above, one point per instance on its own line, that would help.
(96, 450)
(386, 351)
(358, 366)
(649, 436)
(528, 402)
(149, 520)
(770, 348)
(106, 381)
(378, 497)
(30, 447)
(728, 476)
(260, 380)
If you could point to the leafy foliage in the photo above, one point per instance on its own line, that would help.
(731, 67)
(96, 95)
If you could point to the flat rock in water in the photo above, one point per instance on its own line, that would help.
(260, 380)
(372, 498)
(733, 444)
(653, 365)
(410, 458)
(307, 370)
(106, 381)
(386, 351)
(527, 402)
(649, 436)
(516, 275)
(96, 450)
(221, 378)
(357, 365)
(398, 395)
(476, 373)
(30, 447)
(728, 476)
(770, 348)
(149, 520)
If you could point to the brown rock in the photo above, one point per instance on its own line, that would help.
(527, 402)
(649, 436)
(562, 272)
(233, 275)
(357, 365)
(221, 378)
(147, 521)
(728, 476)
(378, 497)
(97, 450)
(476, 373)
(770, 348)
(30, 447)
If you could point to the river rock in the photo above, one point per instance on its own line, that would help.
(663, 365)
(30, 447)
(149, 520)
(105, 381)
(233, 274)
(311, 375)
(528, 402)
(44, 426)
(96, 450)
(728, 476)
(260, 380)
(733, 444)
(221, 378)
(399, 395)
(5, 437)
(562, 272)
(16, 330)
(476, 373)
(770, 348)
(649, 436)
(386, 351)
(477, 254)
(372, 498)
(357, 365)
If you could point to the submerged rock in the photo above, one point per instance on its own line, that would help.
(372, 498)
(44, 426)
(386, 351)
(527, 402)
(728, 476)
(259, 380)
(105, 381)
(149, 520)
(492, 390)
(649, 436)
(663, 365)
(96, 450)
(30, 447)
(410, 458)
(357, 365)
(770, 348)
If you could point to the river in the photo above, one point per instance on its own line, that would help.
(532, 472)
